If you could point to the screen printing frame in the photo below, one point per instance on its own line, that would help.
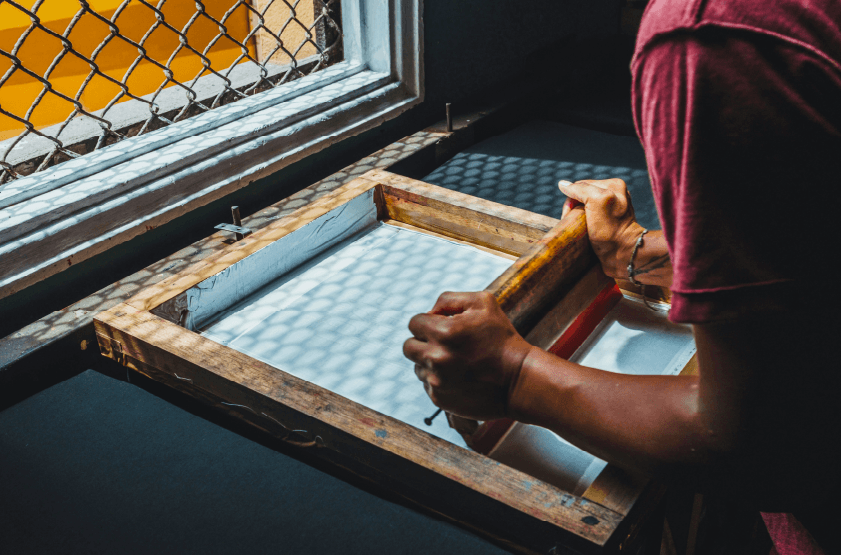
(554, 279)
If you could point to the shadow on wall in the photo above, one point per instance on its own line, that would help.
(522, 168)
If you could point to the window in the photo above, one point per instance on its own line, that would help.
(331, 85)
(79, 76)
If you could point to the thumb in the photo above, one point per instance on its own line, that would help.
(570, 202)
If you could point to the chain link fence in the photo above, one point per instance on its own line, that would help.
(77, 75)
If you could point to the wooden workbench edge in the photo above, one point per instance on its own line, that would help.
(267, 396)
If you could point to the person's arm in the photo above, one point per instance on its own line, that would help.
(613, 231)
(762, 417)
(737, 427)
(661, 425)
(474, 364)
(649, 423)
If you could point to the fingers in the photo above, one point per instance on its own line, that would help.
(617, 186)
(587, 188)
(613, 184)
(419, 325)
(608, 195)
(425, 356)
(431, 327)
(582, 191)
(570, 203)
(413, 349)
(427, 376)
(450, 303)
(442, 327)
(416, 351)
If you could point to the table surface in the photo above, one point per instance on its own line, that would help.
(98, 465)
(522, 167)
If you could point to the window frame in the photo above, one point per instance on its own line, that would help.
(80, 208)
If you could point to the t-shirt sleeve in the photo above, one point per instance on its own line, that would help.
(741, 133)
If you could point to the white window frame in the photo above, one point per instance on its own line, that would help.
(80, 208)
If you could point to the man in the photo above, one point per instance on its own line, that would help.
(738, 107)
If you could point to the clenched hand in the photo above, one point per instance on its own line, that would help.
(468, 354)
(611, 224)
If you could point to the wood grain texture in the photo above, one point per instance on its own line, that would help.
(691, 368)
(453, 202)
(616, 488)
(557, 319)
(461, 216)
(278, 402)
(417, 229)
(546, 273)
(653, 293)
(161, 292)
(457, 216)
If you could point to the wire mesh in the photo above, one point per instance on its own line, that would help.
(77, 75)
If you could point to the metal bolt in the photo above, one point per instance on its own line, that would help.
(449, 119)
(237, 221)
(428, 420)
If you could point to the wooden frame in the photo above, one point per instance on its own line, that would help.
(543, 292)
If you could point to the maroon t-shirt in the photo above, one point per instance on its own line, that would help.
(738, 106)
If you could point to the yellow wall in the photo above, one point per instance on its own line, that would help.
(39, 50)
(293, 35)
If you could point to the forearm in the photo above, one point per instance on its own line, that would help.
(649, 423)
(652, 263)
(743, 426)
